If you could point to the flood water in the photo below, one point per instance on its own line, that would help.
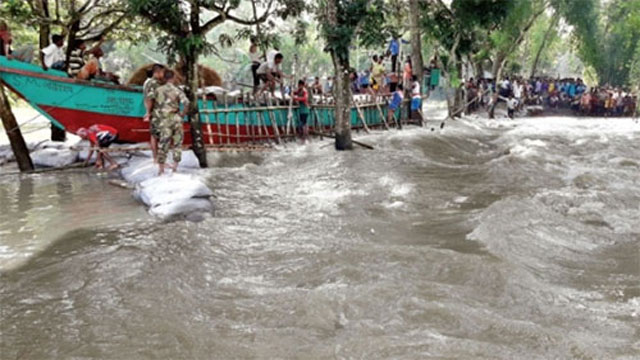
(489, 239)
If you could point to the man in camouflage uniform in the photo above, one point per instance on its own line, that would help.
(168, 100)
(154, 80)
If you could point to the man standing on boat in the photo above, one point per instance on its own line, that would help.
(149, 90)
(168, 100)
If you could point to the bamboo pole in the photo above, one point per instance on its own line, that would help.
(237, 116)
(361, 116)
(384, 119)
(274, 124)
(248, 123)
(204, 105)
(264, 125)
(290, 111)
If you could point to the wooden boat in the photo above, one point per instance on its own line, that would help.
(71, 104)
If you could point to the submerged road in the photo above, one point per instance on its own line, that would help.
(489, 239)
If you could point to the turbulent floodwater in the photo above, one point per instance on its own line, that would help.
(490, 239)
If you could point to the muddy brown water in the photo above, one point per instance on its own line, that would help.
(490, 239)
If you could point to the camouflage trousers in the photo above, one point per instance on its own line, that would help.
(171, 136)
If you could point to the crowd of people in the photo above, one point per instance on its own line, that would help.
(568, 93)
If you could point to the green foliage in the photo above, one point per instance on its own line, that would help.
(634, 70)
(621, 40)
(355, 20)
(16, 10)
(583, 15)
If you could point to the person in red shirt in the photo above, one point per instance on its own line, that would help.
(301, 96)
(100, 136)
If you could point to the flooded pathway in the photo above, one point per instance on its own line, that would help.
(490, 239)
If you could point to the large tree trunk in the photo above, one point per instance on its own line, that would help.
(547, 34)
(342, 96)
(341, 88)
(191, 64)
(42, 7)
(192, 79)
(416, 40)
(10, 124)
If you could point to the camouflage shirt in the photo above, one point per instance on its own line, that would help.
(169, 98)
(149, 90)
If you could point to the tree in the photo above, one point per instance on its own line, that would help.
(462, 29)
(14, 134)
(342, 22)
(185, 25)
(416, 39)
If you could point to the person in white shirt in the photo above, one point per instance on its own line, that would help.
(269, 72)
(254, 56)
(512, 104)
(53, 57)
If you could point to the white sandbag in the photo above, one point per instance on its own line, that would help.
(174, 194)
(183, 207)
(52, 157)
(189, 161)
(138, 170)
(170, 188)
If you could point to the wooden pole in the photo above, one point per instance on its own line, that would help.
(274, 124)
(264, 125)
(18, 145)
(361, 115)
(290, 112)
(226, 119)
(237, 117)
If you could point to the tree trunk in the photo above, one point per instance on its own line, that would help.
(342, 96)
(14, 134)
(341, 88)
(417, 65)
(552, 26)
(42, 7)
(459, 98)
(192, 79)
(197, 139)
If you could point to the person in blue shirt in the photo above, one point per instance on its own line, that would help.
(572, 89)
(364, 80)
(394, 49)
(396, 102)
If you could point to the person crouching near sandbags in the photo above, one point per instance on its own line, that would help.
(100, 136)
(168, 99)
